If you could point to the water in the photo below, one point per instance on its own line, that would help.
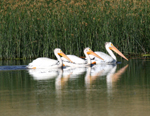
(123, 89)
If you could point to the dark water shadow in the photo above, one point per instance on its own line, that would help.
(16, 67)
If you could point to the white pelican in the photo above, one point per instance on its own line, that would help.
(107, 59)
(79, 62)
(44, 62)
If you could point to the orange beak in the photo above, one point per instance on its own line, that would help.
(118, 52)
(63, 55)
(94, 54)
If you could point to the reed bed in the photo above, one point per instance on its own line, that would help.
(30, 29)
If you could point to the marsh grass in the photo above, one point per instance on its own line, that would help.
(31, 29)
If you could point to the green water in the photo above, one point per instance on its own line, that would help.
(123, 89)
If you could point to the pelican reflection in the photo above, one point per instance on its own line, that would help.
(69, 73)
(104, 70)
(74, 71)
(44, 74)
(113, 77)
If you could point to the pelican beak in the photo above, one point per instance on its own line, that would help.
(117, 51)
(63, 55)
(94, 54)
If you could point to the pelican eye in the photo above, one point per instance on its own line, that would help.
(111, 44)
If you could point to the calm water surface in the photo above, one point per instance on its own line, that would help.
(122, 89)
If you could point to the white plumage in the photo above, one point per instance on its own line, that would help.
(44, 62)
(75, 59)
(79, 62)
(111, 58)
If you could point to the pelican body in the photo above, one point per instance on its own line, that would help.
(111, 58)
(79, 62)
(44, 62)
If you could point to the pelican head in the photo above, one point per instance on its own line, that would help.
(110, 46)
(90, 52)
(59, 52)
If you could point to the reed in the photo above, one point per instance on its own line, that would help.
(31, 29)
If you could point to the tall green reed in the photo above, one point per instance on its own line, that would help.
(32, 29)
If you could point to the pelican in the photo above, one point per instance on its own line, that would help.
(79, 62)
(44, 62)
(107, 59)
